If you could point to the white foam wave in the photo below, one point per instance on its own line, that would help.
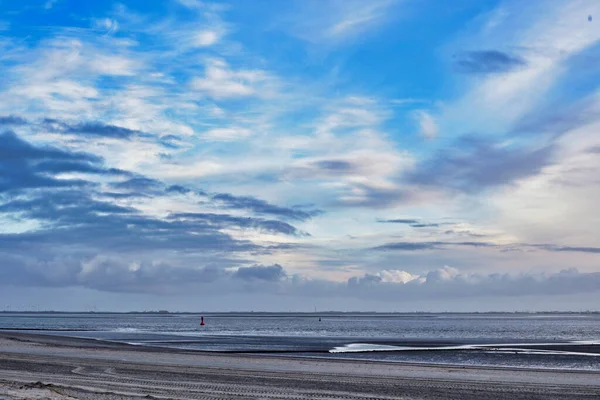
(128, 330)
(366, 347)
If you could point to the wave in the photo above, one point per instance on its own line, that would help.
(128, 330)
(367, 347)
(514, 348)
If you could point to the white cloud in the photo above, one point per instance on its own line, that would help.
(108, 25)
(192, 4)
(427, 125)
(111, 65)
(206, 38)
(334, 20)
(396, 276)
(220, 81)
(227, 134)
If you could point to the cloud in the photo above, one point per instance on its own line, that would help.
(139, 184)
(488, 62)
(336, 166)
(475, 163)
(426, 225)
(333, 21)
(107, 25)
(594, 150)
(77, 220)
(131, 275)
(581, 249)
(23, 165)
(448, 283)
(92, 129)
(220, 221)
(221, 82)
(558, 117)
(414, 223)
(262, 207)
(227, 134)
(206, 38)
(436, 245)
(272, 273)
(427, 125)
(399, 221)
(375, 196)
(409, 246)
(12, 120)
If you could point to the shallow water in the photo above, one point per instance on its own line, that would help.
(563, 341)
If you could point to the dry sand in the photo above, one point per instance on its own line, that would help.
(45, 367)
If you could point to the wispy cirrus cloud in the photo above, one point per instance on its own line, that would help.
(334, 21)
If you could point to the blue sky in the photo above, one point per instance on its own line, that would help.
(365, 155)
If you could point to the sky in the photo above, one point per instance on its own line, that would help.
(387, 155)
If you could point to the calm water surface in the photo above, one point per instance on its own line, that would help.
(564, 341)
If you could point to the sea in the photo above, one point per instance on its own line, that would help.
(569, 341)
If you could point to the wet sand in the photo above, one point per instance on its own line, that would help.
(45, 367)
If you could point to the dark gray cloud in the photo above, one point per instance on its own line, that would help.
(95, 129)
(184, 190)
(335, 166)
(12, 120)
(100, 129)
(365, 280)
(178, 189)
(594, 150)
(23, 165)
(578, 249)
(76, 225)
(171, 141)
(58, 166)
(487, 62)
(410, 246)
(376, 197)
(112, 274)
(271, 273)
(556, 118)
(432, 245)
(92, 129)
(226, 220)
(139, 184)
(263, 207)
(399, 221)
(426, 225)
(464, 233)
(472, 164)
(109, 274)
(80, 223)
(414, 223)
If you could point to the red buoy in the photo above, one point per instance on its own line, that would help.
(201, 321)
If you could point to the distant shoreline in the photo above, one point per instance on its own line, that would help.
(308, 313)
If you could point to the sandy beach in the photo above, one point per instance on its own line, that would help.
(46, 367)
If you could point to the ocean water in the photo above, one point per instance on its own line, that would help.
(556, 341)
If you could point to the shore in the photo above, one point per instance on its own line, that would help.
(37, 366)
